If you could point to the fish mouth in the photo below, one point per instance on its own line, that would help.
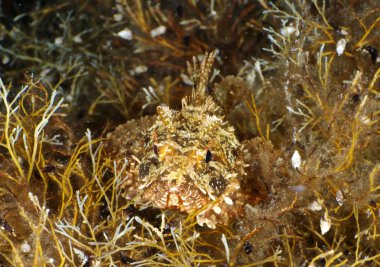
(186, 197)
(175, 201)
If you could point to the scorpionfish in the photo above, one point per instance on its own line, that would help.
(189, 160)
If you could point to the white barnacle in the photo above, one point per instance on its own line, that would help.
(58, 41)
(140, 69)
(341, 46)
(126, 34)
(296, 160)
(289, 30)
(325, 224)
(77, 39)
(339, 197)
(158, 31)
(217, 209)
(228, 201)
(25, 247)
(117, 17)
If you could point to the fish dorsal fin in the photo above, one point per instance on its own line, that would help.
(200, 72)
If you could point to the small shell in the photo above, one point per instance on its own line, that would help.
(58, 41)
(341, 46)
(217, 210)
(25, 247)
(339, 197)
(125, 34)
(325, 224)
(296, 160)
(228, 201)
(289, 30)
(158, 31)
(140, 69)
(315, 206)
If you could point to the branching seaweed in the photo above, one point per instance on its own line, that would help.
(310, 96)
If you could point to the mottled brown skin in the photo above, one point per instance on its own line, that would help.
(187, 160)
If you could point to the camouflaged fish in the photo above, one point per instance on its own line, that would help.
(187, 160)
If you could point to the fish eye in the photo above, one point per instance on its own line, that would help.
(144, 170)
(208, 156)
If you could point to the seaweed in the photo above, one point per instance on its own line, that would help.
(299, 81)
